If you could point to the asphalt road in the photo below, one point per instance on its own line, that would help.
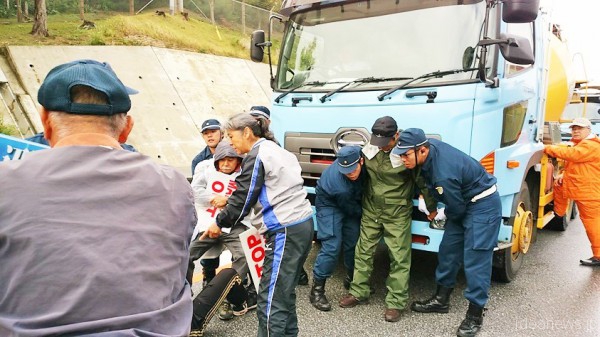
(552, 296)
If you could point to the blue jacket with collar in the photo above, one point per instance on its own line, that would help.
(335, 190)
(202, 156)
(454, 177)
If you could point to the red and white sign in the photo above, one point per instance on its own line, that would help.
(219, 184)
(254, 249)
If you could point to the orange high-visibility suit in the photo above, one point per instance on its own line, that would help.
(581, 183)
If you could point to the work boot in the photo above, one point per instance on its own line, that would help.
(392, 315)
(350, 301)
(317, 295)
(440, 302)
(472, 323)
(348, 279)
(303, 280)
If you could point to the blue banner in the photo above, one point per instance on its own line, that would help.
(12, 148)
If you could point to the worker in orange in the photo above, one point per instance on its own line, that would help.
(580, 181)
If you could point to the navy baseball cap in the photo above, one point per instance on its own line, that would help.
(55, 92)
(210, 124)
(383, 131)
(347, 159)
(409, 139)
(259, 110)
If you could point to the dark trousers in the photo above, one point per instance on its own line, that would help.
(226, 285)
(470, 241)
(209, 266)
(230, 240)
(285, 253)
(337, 232)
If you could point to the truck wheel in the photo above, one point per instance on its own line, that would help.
(561, 223)
(507, 262)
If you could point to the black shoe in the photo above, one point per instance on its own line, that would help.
(440, 302)
(317, 296)
(225, 311)
(472, 323)
(592, 262)
(303, 280)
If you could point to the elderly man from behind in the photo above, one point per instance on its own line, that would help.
(94, 238)
(581, 182)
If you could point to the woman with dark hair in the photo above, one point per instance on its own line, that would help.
(271, 184)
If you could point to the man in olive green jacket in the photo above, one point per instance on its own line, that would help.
(387, 211)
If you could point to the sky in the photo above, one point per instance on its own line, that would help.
(578, 19)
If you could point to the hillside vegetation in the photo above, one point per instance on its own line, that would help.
(146, 29)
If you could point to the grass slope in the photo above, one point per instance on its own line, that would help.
(142, 29)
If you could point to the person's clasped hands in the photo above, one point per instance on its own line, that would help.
(438, 215)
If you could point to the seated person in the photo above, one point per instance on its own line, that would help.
(213, 182)
(226, 285)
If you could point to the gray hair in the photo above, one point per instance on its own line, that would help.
(68, 124)
(258, 125)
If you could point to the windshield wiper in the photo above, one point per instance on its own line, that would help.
(313, 83)
(361, 80)
(425, 76)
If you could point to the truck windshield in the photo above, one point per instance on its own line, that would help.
(382, 39)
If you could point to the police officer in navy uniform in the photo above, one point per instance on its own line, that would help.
(212, 134)
(474, 213)
(339, 208)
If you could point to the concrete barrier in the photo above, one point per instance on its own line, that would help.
(178, 90)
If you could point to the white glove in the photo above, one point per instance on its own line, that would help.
(440, 215)
(422, 206)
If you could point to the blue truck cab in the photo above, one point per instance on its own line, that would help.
(471, 73)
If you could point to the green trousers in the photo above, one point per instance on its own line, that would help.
(397, 236)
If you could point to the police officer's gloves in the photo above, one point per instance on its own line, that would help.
(439, 222)
(422, 206)
(440, 215)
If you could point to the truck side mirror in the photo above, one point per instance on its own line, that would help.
(516, 49)
(520, 11)
(256, 46)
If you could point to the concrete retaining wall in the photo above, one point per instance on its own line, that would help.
(178, 90)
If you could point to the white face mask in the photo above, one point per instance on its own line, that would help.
(396, 160)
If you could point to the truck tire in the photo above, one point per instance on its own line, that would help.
(561, 223)
(507, 262)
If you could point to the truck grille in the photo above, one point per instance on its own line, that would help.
(314, 153)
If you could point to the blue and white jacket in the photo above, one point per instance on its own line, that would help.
(271, 183)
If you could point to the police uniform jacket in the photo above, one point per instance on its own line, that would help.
(203, 155)
(454, 177)
(334, 189)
